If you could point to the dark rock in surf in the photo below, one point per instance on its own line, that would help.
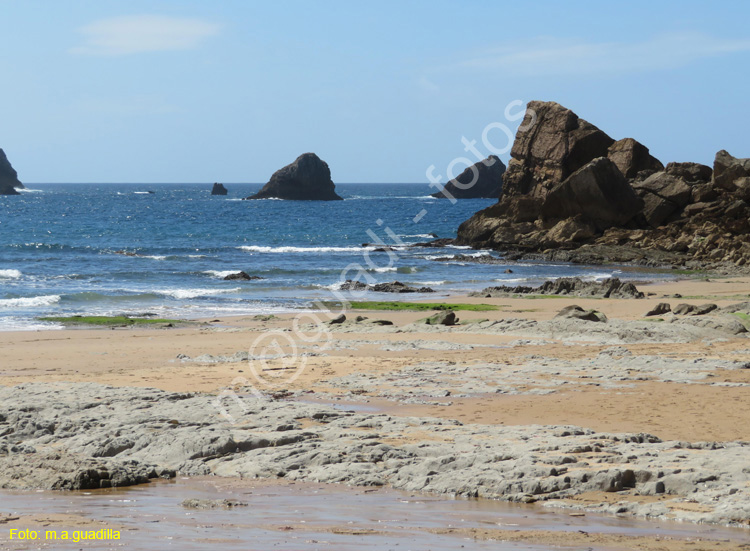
(308, 178)
(218, 189)
(241, 276)
(435, 243)
(398, 287)
(466, 258)
(392, 287)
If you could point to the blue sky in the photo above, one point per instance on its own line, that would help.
(198, 91)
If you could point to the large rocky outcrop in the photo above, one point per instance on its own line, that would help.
(9, 181)
(598, 192)
(551, 144)
(308, 178)
(481, 180)
(572, 193)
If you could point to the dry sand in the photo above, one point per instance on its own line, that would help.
(149, 357)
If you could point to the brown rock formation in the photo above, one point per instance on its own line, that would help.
(572, 193)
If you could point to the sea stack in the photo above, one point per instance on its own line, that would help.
(8, 177)
(570, 187)
(483, 180)
(218, 189)
(308, 178)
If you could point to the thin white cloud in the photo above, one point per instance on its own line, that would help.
(427, 85)
(135, 34)
(546, 56)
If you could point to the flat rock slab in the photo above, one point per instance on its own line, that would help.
(49, 428)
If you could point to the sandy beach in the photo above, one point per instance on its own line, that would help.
(519, 371)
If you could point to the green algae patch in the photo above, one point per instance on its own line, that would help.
(112, 321)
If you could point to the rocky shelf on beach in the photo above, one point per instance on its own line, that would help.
(573, 193)
(89, 436)
(568, 286)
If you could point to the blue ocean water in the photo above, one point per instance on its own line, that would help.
(164, 248)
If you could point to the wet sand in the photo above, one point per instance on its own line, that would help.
(295, 516)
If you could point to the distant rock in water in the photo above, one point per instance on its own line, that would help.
(9, 181)
(392, 287)
(218, 189)
(241, 276)
(308, 178)
(481, 180)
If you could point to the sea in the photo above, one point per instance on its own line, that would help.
(164, 249)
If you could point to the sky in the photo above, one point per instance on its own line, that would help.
(231, 90)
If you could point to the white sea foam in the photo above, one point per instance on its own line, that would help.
(195, 293)
(384, 269)
(29, 302)
(262, 249)
(27, 190)
(152, 256)
(475, 255)
(390, 197)
(517, 280)
(10, 274)
(221, 274)
(20, 324)
(332, 287)
(443, 282)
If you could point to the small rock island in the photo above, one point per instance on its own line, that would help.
(218, 189)
(483, 180)
(9, 181)
(308, 178)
